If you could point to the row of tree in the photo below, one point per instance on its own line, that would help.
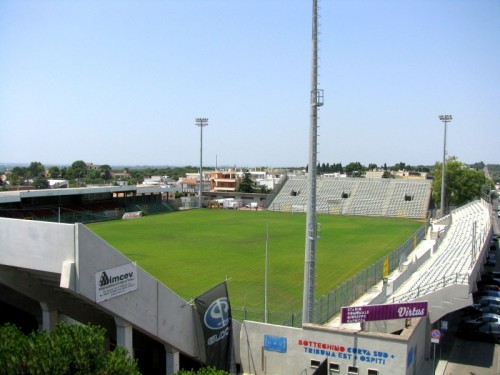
(463, 182)
(358, 169)
(37, 175)
(79, 172)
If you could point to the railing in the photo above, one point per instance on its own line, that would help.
(330, 304)
(423, 290)
(81, 215)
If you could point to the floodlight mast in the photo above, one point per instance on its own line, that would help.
(316, 101)
(446, 119)
(201, 122)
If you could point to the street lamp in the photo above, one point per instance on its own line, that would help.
(201, 122)
(446, 119)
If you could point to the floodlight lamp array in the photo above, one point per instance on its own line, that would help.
(201, 121)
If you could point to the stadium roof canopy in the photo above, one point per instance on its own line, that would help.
(16, 196)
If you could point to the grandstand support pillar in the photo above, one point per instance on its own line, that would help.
(172, 357)
(124, 335)
(49, 317)
(428, 327)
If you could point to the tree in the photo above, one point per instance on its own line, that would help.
(78, 169)
(54, 172)
(478, 166)
(69, 349)
(387, 174)
(41, 182)
(338, 168)
(400, 167)
(462, 184)
(14, 178)
(34, 170)
(263, 189)
(105, 172)
(355, 169)
(246, 184)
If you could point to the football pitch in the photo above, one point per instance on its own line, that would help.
(192, 251)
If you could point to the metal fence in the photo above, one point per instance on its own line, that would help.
(81, 215)
(330, 304)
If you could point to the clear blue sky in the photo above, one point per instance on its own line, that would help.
(120, 82)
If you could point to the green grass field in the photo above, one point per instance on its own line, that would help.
(191, 251)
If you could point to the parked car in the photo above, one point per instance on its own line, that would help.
(492, 274)
(487, 301)
(491, 260)
(489, 281)
(488, 287)
(489, 332)
(475, 311)
(491, 309)
(485, 293)
(478, 307)
(479, 320)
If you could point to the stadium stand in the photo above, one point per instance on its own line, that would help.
(452, 263)
(84, 205)
(358, 196)
(443, 268)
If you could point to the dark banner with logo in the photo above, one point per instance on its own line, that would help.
(214, 311)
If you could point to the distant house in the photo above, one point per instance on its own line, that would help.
(188, 185)
(58, 184)
(224, 181)
(120, 175)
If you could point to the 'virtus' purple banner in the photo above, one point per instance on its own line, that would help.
(368, 313)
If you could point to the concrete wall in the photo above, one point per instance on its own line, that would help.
(152, 308)
(297, 348)
(76, 255)
(36, 245)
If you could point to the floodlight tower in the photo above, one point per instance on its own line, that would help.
(316, 100)
(201, 122)
(446, 119)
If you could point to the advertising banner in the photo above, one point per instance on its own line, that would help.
(214, 312)
(132, 215)
(116, 281)
(355, 314)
